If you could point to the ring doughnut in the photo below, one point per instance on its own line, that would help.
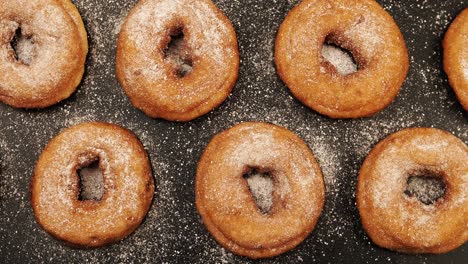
(127, 183)
(184, 80)
(362, 27)
(228, 208)
(455, 46)
(397, 221)
(43, 47)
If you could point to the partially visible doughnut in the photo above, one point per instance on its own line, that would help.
(400, 222)
(365, 29)
(228, 208)
(51, 48)
(455, 46)
(188, 82)
(128, 185)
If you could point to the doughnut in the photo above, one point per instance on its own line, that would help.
(361, 27)
(226, 200)
(393, 216)
(127, 185)
(177, 59)
(43, 47)
(455, 46)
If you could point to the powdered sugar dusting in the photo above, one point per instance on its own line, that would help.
(173, 231)
(261, 187)
(123, 184)
(403, 182)
(297, 188)
(25, 49)
(343, 63)
(91, 183)
(368, 31)
(44, 45)
(208, 38)
(426, 189)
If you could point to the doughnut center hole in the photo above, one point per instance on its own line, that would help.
(261, 186)
(338, 58)
(24, 48)
(177, 53)
(427, 187)
(91, 182)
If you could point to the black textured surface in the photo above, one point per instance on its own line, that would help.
(173, 231)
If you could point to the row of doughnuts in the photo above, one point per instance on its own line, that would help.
(392, 218)
(194, 64)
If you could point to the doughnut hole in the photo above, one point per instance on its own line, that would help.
(261, 186)
(23, 46)
(426, 186)
(338, 57)
(177, 53)
(90, 181)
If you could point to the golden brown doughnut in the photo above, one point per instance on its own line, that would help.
(128, 185)
(400, 222)
(160, 84)
(365, 29)
(51, 48)
(455, 46)
(228, 208)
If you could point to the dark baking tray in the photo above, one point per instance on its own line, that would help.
(173, 231)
